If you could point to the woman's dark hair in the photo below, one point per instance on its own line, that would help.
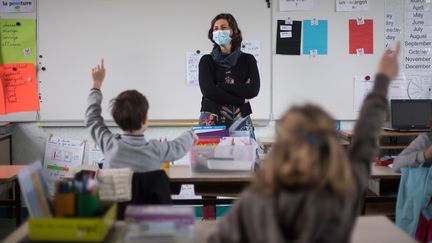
(129, 110)
(236, 37)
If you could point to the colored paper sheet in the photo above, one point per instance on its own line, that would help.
(288, 39)
(315, 37)
(361, 36)
(19, 85)
(2, 98)
(17, 41)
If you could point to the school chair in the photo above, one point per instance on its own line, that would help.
(413, 206)
(148, 188)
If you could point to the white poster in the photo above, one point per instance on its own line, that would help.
(192, 62)
(61, 155)
(96, 156)
(295, 5)
(17, 6)
(403, 87)
(394, 21)
(352, 5)
(253, 48)
(418, 38)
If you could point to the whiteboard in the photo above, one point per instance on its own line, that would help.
(325, 80)
(144, 44)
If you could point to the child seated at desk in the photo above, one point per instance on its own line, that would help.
(308, 189)
(130, 149)
(417, 154)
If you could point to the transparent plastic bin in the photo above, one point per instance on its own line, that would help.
(222, 158)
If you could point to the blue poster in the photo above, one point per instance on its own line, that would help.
(315, 37)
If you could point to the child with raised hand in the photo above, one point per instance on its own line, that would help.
(130, 149)
(308, 188)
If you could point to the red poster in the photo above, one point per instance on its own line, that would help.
(361, 36)
(19, 88)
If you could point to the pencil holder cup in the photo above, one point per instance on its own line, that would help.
(87, 204)
(64, 204)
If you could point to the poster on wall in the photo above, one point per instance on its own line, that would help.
(288, 39)
(361, 36)
(352, 5)
(192, 61)
(61, 155)
(295, 5)
(17, 41)
(17, 6)
(315, 37)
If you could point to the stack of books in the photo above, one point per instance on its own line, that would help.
(159, 224)
(211, 131)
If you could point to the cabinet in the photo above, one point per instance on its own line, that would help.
(6, 149)
(390, 142)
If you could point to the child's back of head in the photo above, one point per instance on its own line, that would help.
(129, 110)
(306, 154)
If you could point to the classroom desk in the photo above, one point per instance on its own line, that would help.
(8, 174)
(267, 142)
(233, 183)
(368, 229)
(209, 186)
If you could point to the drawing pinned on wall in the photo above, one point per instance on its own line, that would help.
(192, 62)
(19, 90)
(352, 5)
(361, 36)
(253, 48)
(295, 5)
(403, 87)
(61, 155)
(315, 37)
(96, 156)
(419, 87)
(18, 41)
(17, 6)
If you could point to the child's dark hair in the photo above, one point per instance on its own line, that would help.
(236, 35)
(129, 110)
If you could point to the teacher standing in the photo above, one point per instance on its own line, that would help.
(228, 78)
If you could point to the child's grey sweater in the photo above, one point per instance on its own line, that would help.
(413, 155)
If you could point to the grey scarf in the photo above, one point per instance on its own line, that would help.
(226, 61)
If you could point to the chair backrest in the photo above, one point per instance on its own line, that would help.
(148, 188)
(415, 191)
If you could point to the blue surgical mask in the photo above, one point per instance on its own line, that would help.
(222, 37)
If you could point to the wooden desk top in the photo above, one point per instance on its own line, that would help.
(369, 229)
(182, 173)
(383, 172)
(269, 141)
(8, 172)
(378, 229)
(349, 134)
(179, 173)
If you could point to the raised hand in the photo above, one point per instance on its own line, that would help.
(389, 64)
(98, 74)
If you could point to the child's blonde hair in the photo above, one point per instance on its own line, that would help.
(306, 154)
